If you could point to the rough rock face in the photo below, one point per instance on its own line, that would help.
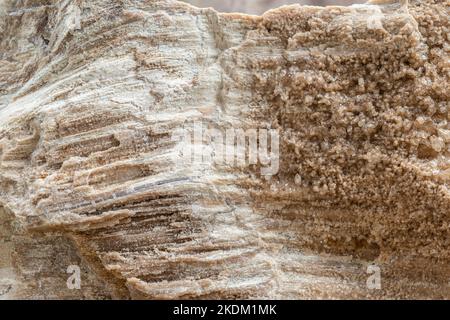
(91, 93)
(261, 6)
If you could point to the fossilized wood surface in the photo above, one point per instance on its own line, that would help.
(90, 92)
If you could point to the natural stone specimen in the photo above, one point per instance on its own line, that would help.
(92, 91)
(260, 6)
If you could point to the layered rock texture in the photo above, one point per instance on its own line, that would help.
(91, 93)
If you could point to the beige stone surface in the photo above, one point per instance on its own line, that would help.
(91, 93)
(261, 6)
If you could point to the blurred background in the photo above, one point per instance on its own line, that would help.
(260, 6)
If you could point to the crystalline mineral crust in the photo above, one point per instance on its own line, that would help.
(91, 93)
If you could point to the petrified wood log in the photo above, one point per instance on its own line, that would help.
(91, 93)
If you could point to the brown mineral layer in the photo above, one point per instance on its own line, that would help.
(92, 92)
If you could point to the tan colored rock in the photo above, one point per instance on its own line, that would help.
(92, 92)
(261, 6)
